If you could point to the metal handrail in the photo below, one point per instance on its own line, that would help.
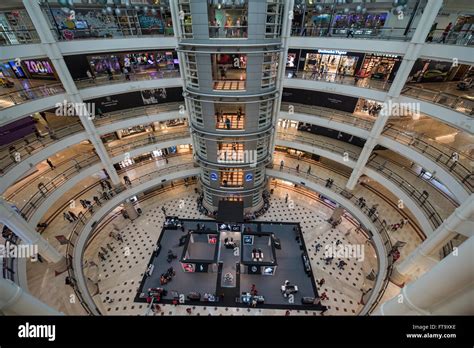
(429, 210)
(452, 101)
(82, 83)
(24, 95)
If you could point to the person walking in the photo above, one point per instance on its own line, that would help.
(73, 216)
(309, 170)
(282, 164)
(50, 164)
(297, 168)
(127, 181)
(67, 217)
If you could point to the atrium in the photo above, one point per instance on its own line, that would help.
(236, 157)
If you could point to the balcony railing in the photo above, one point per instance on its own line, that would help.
(25, 95)
(385, 33)
(228, 32)
(461, 104)
(440, 153)
(152, 138)
(85, 217)
(458, 38)
(13, 153)
(428, 209)
(120, 78)
(109, 33)
(18, 37)
(340, 79)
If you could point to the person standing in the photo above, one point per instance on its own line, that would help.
(446, 32)
(282, 164)
(90, 76)
(286, 198)
(309, 170)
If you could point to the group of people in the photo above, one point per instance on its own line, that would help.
(237, 28)
(70, 216)
(229, 244)
(329, 183)
(166, 277)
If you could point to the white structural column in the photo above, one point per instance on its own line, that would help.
(448, 288)
(9, 217)
(430, 12)
(285, 35)
(454, 223)
(51, 49)
(16, 301)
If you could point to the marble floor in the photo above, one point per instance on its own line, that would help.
(118, 276)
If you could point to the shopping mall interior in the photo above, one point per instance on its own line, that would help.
(236, 157)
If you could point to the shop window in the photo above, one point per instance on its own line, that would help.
(233, 178)
(196, 112)
(329, 63)
(269, 69)
(274, 18)
(230, 116)
(230, 152)
(233, 199)
(265, 114)
(228, 19)
(185, 18)
(191, 70)
(229, 71)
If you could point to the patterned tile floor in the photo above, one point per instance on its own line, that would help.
(119, 275)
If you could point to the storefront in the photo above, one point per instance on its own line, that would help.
(362, 24)
(323, 61)
(136, 62)
(380, 66)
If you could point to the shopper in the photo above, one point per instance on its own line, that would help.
(90, 76)
(97, 201)
(67, 217)
(50, 164)
(350, 31)
(72, 215)
(446, 32)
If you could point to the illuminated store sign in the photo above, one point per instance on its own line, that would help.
(39, 68)
(341, 53)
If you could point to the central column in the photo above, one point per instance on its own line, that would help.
(230, 58)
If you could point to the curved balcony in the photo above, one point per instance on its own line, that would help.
(19, 150)
(458, 107)
(83, 229)
(414, 199)
(22, 96)
(459, 103)
(376, 228)
(126, 78)
(438, 153)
